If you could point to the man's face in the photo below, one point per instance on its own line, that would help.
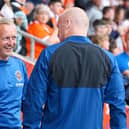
(121, 15)
(7, 40)
(19, 21)
(98, 3)
(101, 30)
(56, 8)
(111, 14)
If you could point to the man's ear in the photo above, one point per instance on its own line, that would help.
(68, 23)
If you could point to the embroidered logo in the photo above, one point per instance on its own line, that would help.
(18, 75)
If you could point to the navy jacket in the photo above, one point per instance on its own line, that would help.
(73, 79)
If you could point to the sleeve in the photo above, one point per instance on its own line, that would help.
(122, 65)
(36, 95)
(115, 97)
(25, 84)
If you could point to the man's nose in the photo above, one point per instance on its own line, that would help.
(11, 41)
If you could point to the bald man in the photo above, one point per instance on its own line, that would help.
(72, 80)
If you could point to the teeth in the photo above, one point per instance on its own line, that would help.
(9, 48)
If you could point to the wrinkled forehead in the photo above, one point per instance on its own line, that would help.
(7, 28)
(5, 25)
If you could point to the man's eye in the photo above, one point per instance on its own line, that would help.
(5, 39)
(14, 38)
(8, 38)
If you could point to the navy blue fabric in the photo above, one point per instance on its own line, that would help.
(73, 69)
(70, 107)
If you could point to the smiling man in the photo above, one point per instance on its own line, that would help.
(13, 77)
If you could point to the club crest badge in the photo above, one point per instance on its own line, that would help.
(18, 75)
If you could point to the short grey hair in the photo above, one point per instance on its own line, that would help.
(8, 21)
(41, 8)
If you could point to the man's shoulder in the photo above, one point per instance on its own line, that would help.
(122, 56)
(15, 59)
(108, 55)
(50, 50)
